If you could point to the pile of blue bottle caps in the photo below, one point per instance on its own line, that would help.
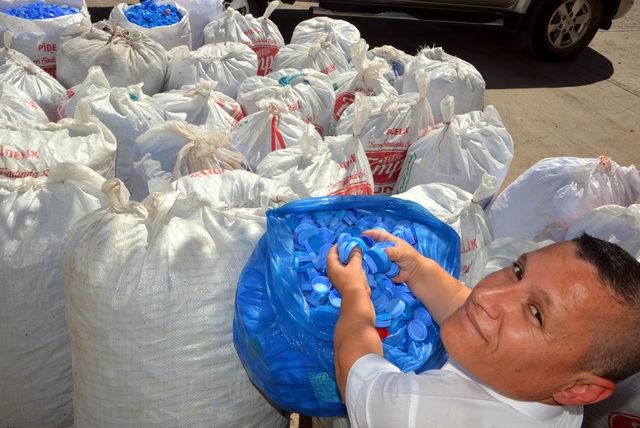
(401, 320)
(41, 10)
(149, 14)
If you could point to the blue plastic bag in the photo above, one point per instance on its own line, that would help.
(287, 346)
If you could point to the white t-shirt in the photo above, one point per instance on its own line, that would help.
(380, 395)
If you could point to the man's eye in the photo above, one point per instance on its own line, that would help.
(537, 314)
(517, 270)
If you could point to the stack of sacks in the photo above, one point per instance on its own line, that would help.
(460, 210)
(19, 71)
(367, 79)
(128, 112)
(389, 126)
(459, 152)
(31, 150)
(168, 34)
(229, 64)
(551, 195)
(306, 93)
(201, 12)
(270, 129)
(260, 34)
(398, 61)
(150, 292)
(174, 149)
(19, 108)
(449, 76)
(127, 57)
(339, 33)
(38, 39)
(337, 166)
(322, 56)
(35, 356)
(202, 105)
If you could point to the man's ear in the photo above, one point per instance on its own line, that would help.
(589, 389)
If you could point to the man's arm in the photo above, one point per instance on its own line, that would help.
(355, 335)
(441, 293)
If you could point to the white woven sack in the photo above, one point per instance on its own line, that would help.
(367, 78)
(19, 71)
(173, 149)
(336, 166)
(459, 151)
(35, 356)
(38, 39)
(229, 64)
(127, 57)
(503, 252)
(128, 112)
(322, 56)
(449, 76)
(169, 36)
(460, 210)
(32, 150)
(201, 12)
(621, 410)
(202, 105)
(270, 129)
(306, 93)
(336, 31)
(612, 223)
(260, 34)
(551, 195)
(19, 108)
(387, 126)
(396, 59)
(150, 293)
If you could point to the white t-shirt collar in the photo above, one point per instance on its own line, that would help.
(537, 411)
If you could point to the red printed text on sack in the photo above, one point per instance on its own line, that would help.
(386, 165)
(205, 172)
(328, 69)
(17, 155)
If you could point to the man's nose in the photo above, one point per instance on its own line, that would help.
(495, 299)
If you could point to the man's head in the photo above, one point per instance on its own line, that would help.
(559, 326)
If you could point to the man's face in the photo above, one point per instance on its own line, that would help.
(525, 329)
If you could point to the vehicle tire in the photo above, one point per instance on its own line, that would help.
(560, 29)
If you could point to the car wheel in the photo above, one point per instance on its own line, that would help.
(254, 7)
(560, 29)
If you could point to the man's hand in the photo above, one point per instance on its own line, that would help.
(349, 277)
(403, 254)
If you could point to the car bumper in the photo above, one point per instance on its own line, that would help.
(623, 8)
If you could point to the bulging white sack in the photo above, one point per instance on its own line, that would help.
(260, 34)
(35, 356)
(336, 166)
(504, 252)
(306, 93)
(396, 59)
(389, 125)
(128, 112)
(227, 63)
(336, 31)
(127, 57)
(169, 36)
(321, 56)
(19, 71)
(270, 129)
(202, 105)
(367, 79)
(460, 210)
(38, 39)
(19, 108)
(449, 76)
(459, 151)
(201, 12)
(32, 150)
(551, 195)
(612, 223)
(149, 291)
(173, 149)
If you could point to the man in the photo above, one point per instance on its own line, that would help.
(529, 345)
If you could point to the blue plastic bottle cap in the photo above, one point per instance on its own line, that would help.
(395, 307)
(321, 284)
(342, 238)
(383, 320)
(407, 313)
(360, 242)
(380, 258)
(396, 325)
(324, 251)
(393, 271)
(417, 331)
(372, 267)
(423, 316)
(313, 243)
(305, 286)
(368, 241)
(335, 299)
(344, 251)
(326, 235)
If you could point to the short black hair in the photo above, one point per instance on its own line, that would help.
(615, 358)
